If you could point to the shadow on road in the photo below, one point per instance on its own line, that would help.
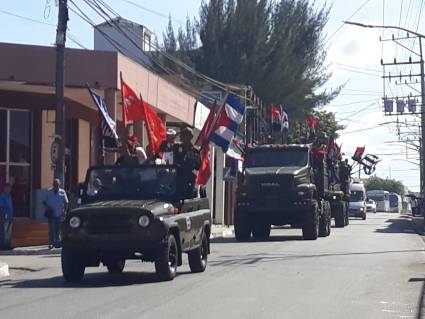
(91, 280)
(264, 257)
(399, 225)
(228, 240)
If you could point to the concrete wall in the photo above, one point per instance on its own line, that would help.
(83, 149)
(161, 94)
(130, 44)
(47, 132)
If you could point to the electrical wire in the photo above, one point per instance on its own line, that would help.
(349, 19)
(97, 7)
(71, 36)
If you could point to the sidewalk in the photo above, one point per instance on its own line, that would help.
(219, 231)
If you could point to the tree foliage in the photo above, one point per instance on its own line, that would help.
(276, 47)
(390, 185)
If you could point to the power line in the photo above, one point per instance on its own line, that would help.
(97, 7)
(72, 37)
(159, 14)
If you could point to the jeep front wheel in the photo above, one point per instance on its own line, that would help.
(73, 266)
(261, 231)
(116, 266)
(198, 257)
(311, 223)
(242, 227)
(167, 259)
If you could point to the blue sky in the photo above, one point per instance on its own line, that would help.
(354, 58)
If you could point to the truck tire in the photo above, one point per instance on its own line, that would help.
(339, 214)
(311, 223)
(346, 215)
(261, 231)
(325, 221)
(115, 266)
(198, 257)
(242, 227)
(73, 266)
(167, 259)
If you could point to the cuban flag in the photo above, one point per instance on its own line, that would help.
(229, 117)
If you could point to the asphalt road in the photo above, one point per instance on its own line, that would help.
(372, 269)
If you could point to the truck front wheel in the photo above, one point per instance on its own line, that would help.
(242, 227)
(311, 223)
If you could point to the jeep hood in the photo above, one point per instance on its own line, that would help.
(156, 207)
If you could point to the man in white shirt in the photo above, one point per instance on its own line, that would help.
(56, 204)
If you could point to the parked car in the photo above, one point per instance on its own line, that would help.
(370, 206)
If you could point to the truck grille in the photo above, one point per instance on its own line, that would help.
(276, 185)
(109, 223)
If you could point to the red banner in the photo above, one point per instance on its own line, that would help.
(131, 104)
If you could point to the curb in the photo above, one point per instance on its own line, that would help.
(227, 232)
(4, 270)
(30, 251)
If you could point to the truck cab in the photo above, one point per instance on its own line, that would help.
(281, 185)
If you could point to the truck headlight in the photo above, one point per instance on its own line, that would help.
(144, 221)
(361, 209)
(74, 222)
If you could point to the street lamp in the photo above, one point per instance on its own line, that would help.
(420, 37)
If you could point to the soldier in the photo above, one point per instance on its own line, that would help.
(188, 160)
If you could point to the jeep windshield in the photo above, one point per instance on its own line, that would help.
(277, 158)
(139, 182)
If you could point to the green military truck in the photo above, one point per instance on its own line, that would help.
(287, 185)
(135, 212)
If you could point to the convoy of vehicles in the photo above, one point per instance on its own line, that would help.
(286, 185)
(396, 205)
(381, 198)
(135, 213)
(357, 205)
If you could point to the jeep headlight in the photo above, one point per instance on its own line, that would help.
(144, 221)
(361, 209)
(74, 222)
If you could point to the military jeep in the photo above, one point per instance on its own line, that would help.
(135, 212)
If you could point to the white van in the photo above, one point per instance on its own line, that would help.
(357, 204)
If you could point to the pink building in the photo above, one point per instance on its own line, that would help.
(27, 113)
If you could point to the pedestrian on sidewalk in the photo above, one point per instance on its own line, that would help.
(56, 205)
(6, 217)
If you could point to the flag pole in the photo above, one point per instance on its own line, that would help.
(124, 118)
(148, 131)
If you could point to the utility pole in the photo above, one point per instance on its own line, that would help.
(422, 91)
(58, 146)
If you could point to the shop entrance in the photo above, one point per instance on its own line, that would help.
(15, 157)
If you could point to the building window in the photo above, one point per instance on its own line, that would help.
(146, 42)
(15, 157)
